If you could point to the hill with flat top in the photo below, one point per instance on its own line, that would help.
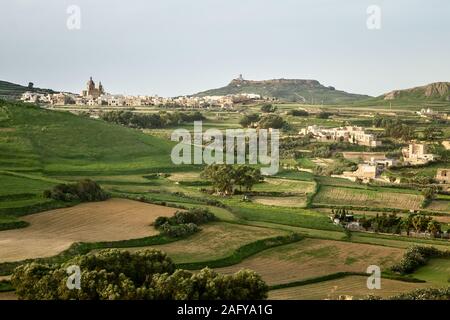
(287, 90)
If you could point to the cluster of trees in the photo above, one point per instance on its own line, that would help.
(83, 190)
(268, 108)
(224, 177)
(155, 120)
(264, 122)
(421, 223)
(143, 275)
(384, 223)
(391, 223)
(416, 257)
(394, 128)
(183, 223)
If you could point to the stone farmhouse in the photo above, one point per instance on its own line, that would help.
(352, 134)
(443, 176)
(417, 153)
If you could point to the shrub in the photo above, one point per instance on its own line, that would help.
(183, 223)
(83, 190)
(194, 215)
(178, 230)
(299, 113)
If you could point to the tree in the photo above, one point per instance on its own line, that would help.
(271, 121)
(247, 177)
(222, 177)
(268, 108)
(248, 119)
(429, 193)
(434, 227)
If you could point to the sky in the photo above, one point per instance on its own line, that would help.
(179, 47)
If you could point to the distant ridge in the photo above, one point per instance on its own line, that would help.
(287, 90)
(9, 90)
(439, 91)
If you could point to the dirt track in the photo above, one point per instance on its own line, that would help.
(53, 231)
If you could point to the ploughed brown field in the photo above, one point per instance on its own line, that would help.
(53, 231)
(10, 295)
(312, 258)
(353, 286)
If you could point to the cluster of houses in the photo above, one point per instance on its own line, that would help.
(352, 134)
(372, 164)
(95, 95)
(432, 114)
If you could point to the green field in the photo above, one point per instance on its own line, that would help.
(436, 271)
(41, 148)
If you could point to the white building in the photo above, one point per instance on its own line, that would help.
(417, 153)
(352, 134)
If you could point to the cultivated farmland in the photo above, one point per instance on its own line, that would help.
(53, 231)
(367, 198)
(354, 286)
(208, 244)
(312, 258)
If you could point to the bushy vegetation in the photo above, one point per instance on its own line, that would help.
(268, 108)
(265, 122)
(424, 294)
(416, 257)
(143, 275)
(183, 223)
(154, 120)
(83, 190)
(324, 115)
(391, 223)
(298, 113)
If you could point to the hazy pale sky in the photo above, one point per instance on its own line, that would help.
(176, 47)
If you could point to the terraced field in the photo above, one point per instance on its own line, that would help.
(367, 198)
(437, 271)
(312, 258)
(354, 286)
(292, 202)
(53, 231)
(285, 185)
(439, 205)
(209, 243)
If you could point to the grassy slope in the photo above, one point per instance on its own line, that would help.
(64, 144)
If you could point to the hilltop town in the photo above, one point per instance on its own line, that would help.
(96, 96)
